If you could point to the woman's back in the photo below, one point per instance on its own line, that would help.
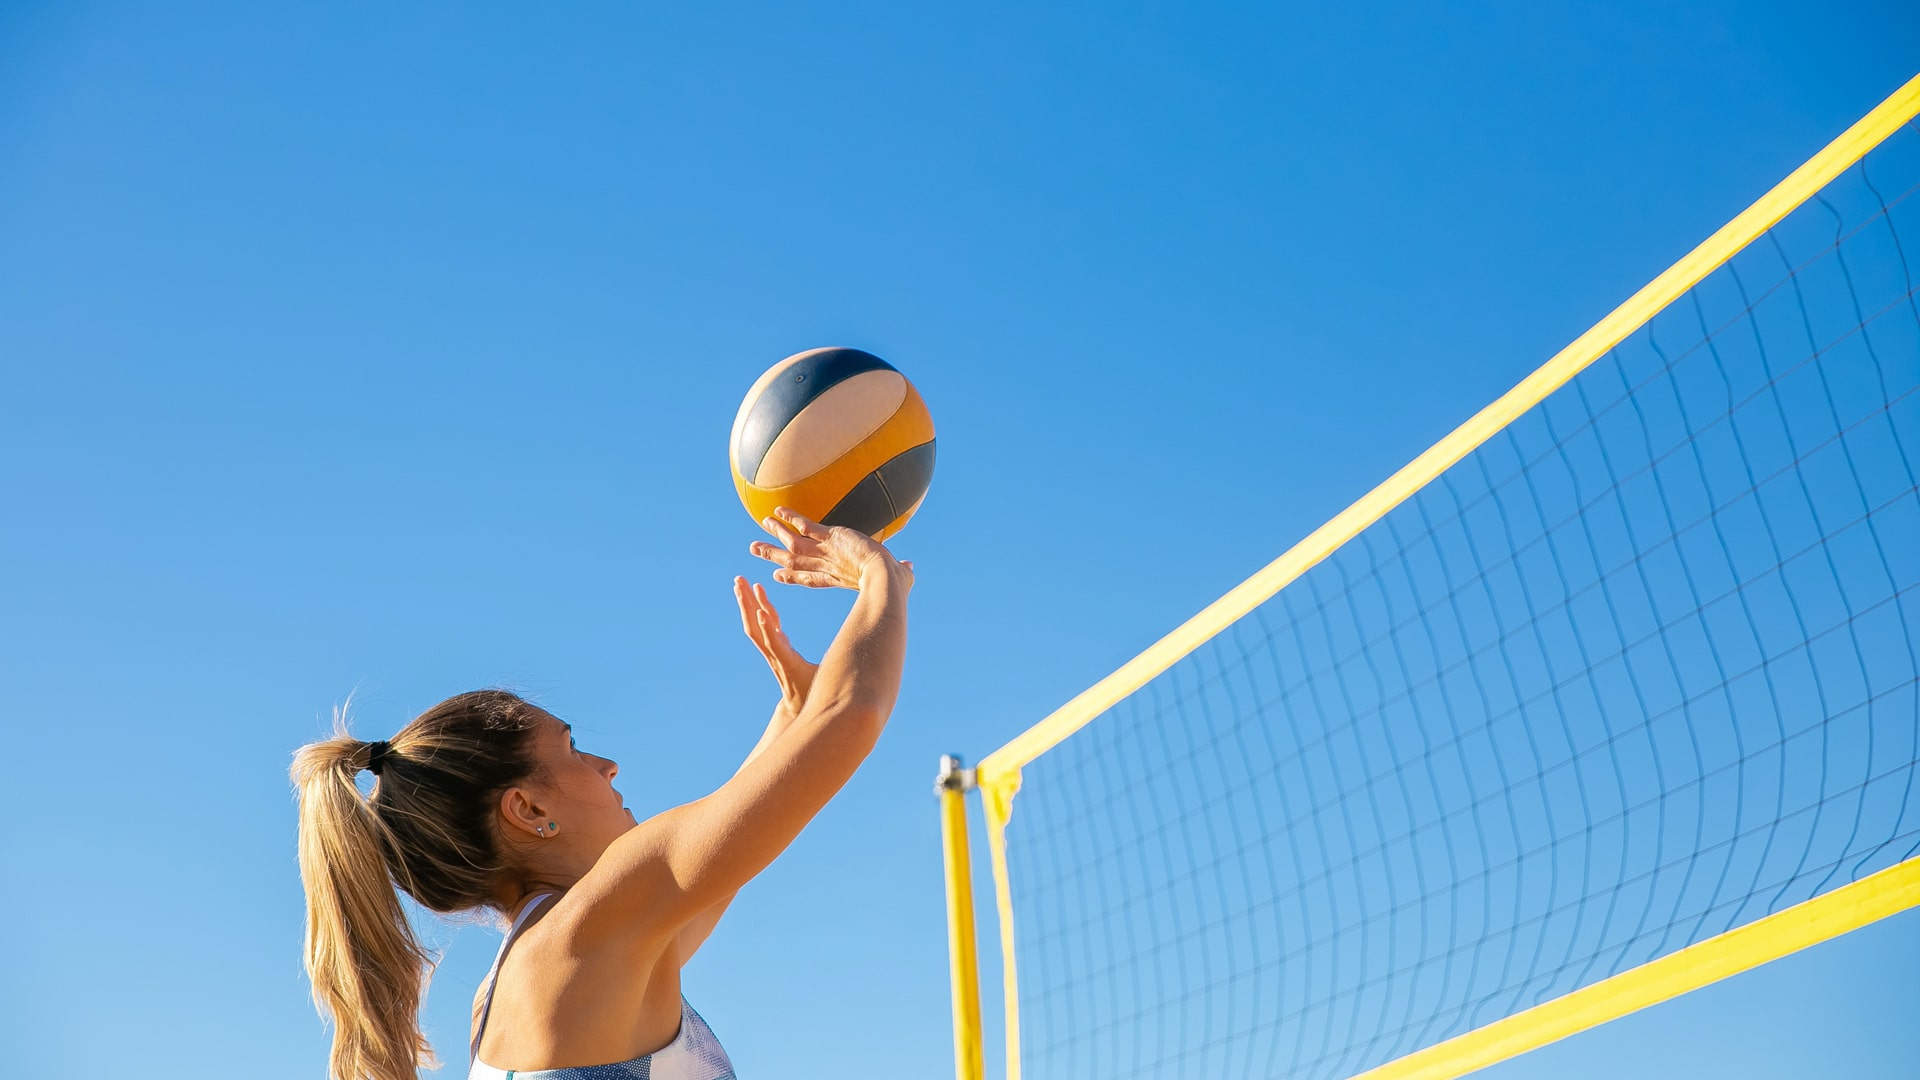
(694, 1054)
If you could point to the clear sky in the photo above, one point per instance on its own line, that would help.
(391, 352)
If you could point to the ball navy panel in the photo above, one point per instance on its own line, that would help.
(795, 388)
(906, 476)
(884, 494)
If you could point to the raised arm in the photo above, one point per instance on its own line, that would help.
(760, 621)
(664, 873)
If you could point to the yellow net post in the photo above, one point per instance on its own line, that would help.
(969, 1060)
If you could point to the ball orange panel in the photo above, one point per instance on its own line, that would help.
(815, 495)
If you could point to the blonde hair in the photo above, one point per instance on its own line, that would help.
(426, 829)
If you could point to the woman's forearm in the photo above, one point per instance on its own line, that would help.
(862, 668)
(869, 633)
(778, 723)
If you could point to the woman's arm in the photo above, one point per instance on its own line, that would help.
(662, 875)
(760, 621)
(695, 933)
(781, 721)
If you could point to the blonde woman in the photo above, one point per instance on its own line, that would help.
(485, 801)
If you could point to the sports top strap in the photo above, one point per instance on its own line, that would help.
(486, 1003)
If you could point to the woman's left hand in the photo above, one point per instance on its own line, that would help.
(762, 624)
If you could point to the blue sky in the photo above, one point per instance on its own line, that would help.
(392, 353)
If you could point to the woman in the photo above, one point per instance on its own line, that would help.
(484, 801)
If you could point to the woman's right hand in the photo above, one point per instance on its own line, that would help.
(824, 556)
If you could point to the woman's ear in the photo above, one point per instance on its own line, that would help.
(520, 815)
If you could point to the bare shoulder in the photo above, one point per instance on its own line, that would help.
(564, 996)
(629, 900)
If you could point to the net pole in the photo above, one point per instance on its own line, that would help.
(969, 1057)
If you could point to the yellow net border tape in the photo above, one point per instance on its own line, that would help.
(998, 797)
(1743, 948)
(999, 772)
(1463, 440)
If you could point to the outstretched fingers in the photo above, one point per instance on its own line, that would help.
(795, 532)
(765, 604)
(790, 560)
(780, 530)
(776, 656)
(753, 618)
(743, 595)
(815, 555)
(812, 579)
(805, 526)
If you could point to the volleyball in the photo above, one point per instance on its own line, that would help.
(838, 435)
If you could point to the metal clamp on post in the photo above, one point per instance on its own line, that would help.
(952, 777)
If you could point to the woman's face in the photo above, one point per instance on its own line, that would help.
(575, 790)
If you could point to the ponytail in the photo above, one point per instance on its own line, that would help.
(426, 830)
(368, 968)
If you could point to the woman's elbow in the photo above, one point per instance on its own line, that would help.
(854, 723)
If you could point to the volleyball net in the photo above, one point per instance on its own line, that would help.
(1613, 692)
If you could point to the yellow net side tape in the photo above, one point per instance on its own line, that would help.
(998, 797)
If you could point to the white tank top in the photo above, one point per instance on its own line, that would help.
(694, 1054)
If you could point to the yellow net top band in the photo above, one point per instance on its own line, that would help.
(1004, 764)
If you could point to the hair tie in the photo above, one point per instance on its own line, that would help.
(377, 753)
